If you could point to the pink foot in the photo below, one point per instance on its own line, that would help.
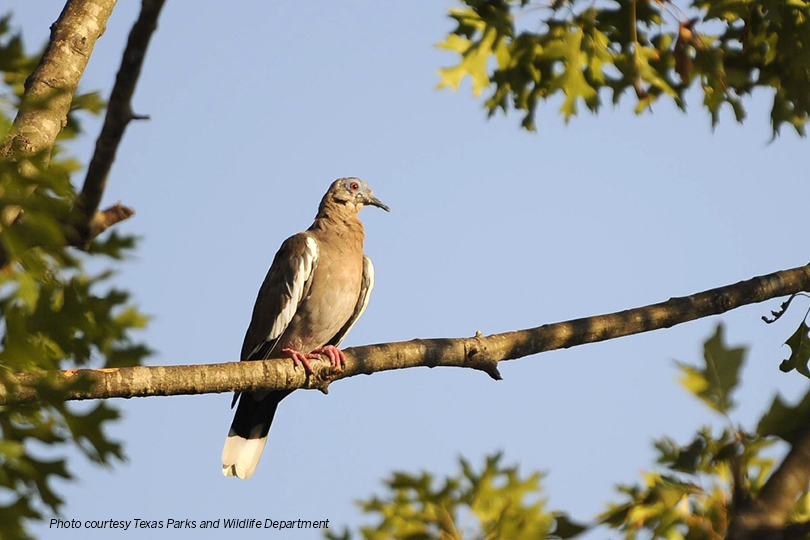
(335, 355)
(300, 358)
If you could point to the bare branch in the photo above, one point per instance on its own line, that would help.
(119, 115)
(104, 219)
(50, 88)
(479, 352)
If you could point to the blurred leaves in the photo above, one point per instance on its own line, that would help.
(783, 420)
(799, 344)
(691, 497)
(692, 493)
(53, 313)
(716, 380)
(526, 52)
(497, 502)
(694, 496)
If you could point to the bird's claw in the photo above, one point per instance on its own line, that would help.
(336, 356)
(300, 358)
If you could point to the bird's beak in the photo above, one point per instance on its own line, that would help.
(371, 200)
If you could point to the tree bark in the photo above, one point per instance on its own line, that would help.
(478, 352)
(50, 88)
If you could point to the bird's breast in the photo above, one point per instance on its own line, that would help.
(329, 303)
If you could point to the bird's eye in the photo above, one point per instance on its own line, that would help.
(354, 186)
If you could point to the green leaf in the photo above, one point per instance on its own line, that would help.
(716, 380)
(572, 81)
(91, 102)
(474, 61)
(649, 74)
(27, 291)
(747, 46)
(506, 504)
(565, 527)
(799, 344)
(684, 459)
(783, 420)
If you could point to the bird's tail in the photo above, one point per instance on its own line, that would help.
(248, 433)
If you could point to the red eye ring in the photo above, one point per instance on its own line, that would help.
(354, 186)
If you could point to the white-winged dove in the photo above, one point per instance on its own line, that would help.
(316, 289)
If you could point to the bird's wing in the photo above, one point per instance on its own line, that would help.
(362, 301)
(286, 284)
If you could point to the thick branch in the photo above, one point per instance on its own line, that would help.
(119, 115)
(778, 496)
(49, 89)
(766, 516)
(479, 352)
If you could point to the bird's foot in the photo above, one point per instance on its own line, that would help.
(335, 355)
(300, 358)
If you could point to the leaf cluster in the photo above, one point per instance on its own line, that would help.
(691, 494)
(698, 486)
(526, 52)
(54, 314)
(497, 502)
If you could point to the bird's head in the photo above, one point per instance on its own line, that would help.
(353, 192)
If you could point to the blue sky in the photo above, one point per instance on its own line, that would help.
(257, 107)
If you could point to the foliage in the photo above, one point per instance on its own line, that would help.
(496, 503)
(799, 344)
(53, 314)
(690, 495)
(715, 382)
(694, 496)
(526, 51)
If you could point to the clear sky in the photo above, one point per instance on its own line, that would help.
(257, 106)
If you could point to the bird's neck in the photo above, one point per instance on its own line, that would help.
(338, 218)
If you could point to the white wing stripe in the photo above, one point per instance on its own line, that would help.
(302, 273)
(367, 296)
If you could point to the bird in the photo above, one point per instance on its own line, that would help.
(318, 285)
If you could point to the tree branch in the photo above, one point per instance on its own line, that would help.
(797, 531)
(778, 496)
(104, 219)
(119, 115)
(766, 516)
(49, 92)
(50, 88)
(479, 352)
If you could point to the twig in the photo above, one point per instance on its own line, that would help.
(479, 352)
(119, 115)
(105, 219)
